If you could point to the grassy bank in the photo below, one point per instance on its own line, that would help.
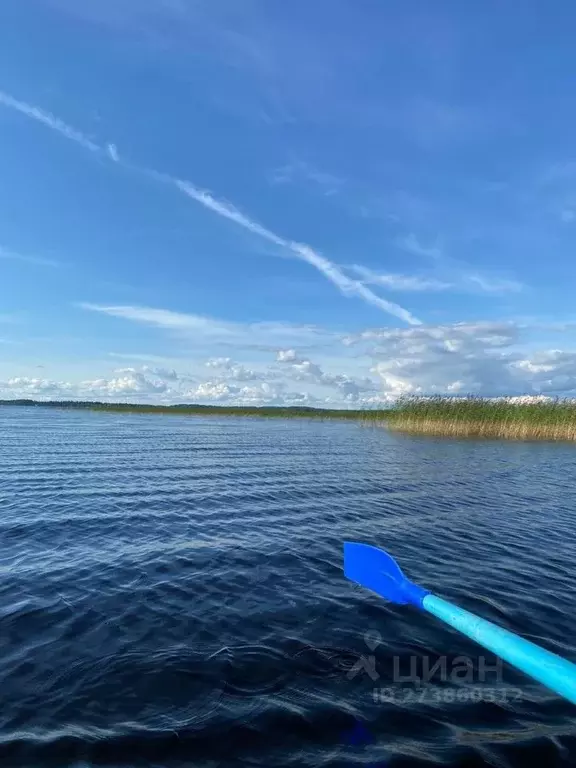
(292, 412)
(482, 417)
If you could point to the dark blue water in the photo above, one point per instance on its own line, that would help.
(171, 594)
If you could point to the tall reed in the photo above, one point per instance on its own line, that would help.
(514, 418)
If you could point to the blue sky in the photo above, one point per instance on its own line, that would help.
(330, 203)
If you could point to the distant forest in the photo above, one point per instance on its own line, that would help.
(194, 408)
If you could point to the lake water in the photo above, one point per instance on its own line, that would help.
(171, 594)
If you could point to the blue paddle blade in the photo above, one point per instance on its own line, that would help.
(376, 570)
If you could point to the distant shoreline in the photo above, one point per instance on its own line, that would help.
(515, 418)
(194, 409)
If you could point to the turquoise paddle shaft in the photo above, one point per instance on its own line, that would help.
(551, 670)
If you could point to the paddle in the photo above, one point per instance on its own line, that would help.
(378, 571)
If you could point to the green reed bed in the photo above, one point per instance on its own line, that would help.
(553, 419)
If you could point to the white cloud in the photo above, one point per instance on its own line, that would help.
(219, 362)
(23, 386)
(397, 282)
(299, 170)
(196, 328)
(287, 356)
(162, 373)
(494, 284)
(49, 120)
(551, 371)
(113, 153)
(480, 358)
(129, 382)
(39, 260)
(411, 244)
(125, 385)
(264, 393)
(348, 388)
(228, 211)
(460, 276)
(162, 318)
(212, 391)
(489, 332)
(233, 370)
(302, 251)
